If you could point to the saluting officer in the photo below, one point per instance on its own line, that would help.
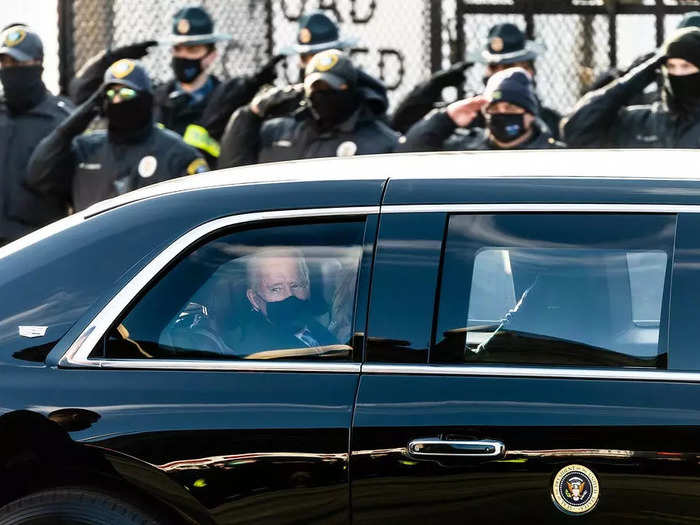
(28, 113)
(180, 103)
(339, 119)
(133, 152)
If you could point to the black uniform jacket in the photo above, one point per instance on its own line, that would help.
(427, 96)
(249, 139)
(601, 118)
(92, 167)
(438, 132)
(22, 209)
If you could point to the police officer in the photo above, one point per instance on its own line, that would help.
(506, 47)
(28, 113)
(340, 120)
(133, 152)
(603, 118)
(510, 110)
(181, 103)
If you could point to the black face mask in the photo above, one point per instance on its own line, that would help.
(23, 87)
(506, 127)
(187, 69)
(129, 115)
(333, 106)
(685, 88)
(291, 315)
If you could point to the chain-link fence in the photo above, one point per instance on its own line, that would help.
(400, 41)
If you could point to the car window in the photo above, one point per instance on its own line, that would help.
(281, 292)
(555, 289)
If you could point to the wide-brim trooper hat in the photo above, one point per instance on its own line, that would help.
(506, 44)
(192, 26)
(317, 32)
(21, 43)
(129, 73)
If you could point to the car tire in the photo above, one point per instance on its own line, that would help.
(74, 506)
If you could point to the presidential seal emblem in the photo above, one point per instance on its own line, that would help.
(496, 44)
(183, 26)
(575, 490)
(147, 166)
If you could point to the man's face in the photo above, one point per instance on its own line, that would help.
(278, 279)
(680, 68)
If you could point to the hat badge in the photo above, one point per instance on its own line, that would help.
(496, 44)
(122, 68)
(14, 36)
(305, 35)
(325, 61)
(183, 26)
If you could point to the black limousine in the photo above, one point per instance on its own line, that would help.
(431, 338)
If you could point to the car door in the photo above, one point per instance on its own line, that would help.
(189, 371)
(536, 382)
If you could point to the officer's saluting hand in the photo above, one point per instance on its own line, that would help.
(133, 152)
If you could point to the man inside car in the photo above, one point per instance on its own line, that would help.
(279, 291)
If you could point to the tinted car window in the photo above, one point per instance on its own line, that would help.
(555, 289)
(281, 292)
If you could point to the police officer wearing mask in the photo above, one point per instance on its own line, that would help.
(339, 120)
(603, 118)
(195, 103)
(133, 152)
(506, 47)
(28, 113)
(316, 33)
(509, 108)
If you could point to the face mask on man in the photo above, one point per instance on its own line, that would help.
(187, 69)
(133, 114)
(291, 314)
(333, 106)
(506, 127)
(685, 88)
(23, 87)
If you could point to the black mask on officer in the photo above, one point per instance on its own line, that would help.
(685, 88)
(128, 117)
(188, 69)
(23, 87)
(332, 106)
(506, 127)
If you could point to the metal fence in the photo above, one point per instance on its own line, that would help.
(400, 41)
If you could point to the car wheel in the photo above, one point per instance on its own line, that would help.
(73, 506)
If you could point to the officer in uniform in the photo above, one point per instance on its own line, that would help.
(605, 118)
(509, 108)
(506, 47)
(339, 119)
(28, 113)
(195, 104)
(133, 152)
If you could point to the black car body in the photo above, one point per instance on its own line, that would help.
(514, 340)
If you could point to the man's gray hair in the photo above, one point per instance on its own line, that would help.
(255, 261)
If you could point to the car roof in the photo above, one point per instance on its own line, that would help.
(653, 164)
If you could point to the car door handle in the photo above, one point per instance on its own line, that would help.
(444, 447)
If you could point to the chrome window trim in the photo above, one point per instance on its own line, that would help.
(546, 208)
(534, 371)
(77, 354)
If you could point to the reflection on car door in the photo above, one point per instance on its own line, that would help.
(517, 417)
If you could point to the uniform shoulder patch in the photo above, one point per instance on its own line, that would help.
(198, 165)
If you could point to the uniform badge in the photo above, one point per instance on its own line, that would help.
(496, 95)
(305, 36)
(575, 490)
(183, 26)
(122, 68)
(496, 43)
(14, 36)
(197, 166)
(346, 149)
(147, 166)
(324, 61)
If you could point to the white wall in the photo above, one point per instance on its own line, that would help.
(42, 16)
